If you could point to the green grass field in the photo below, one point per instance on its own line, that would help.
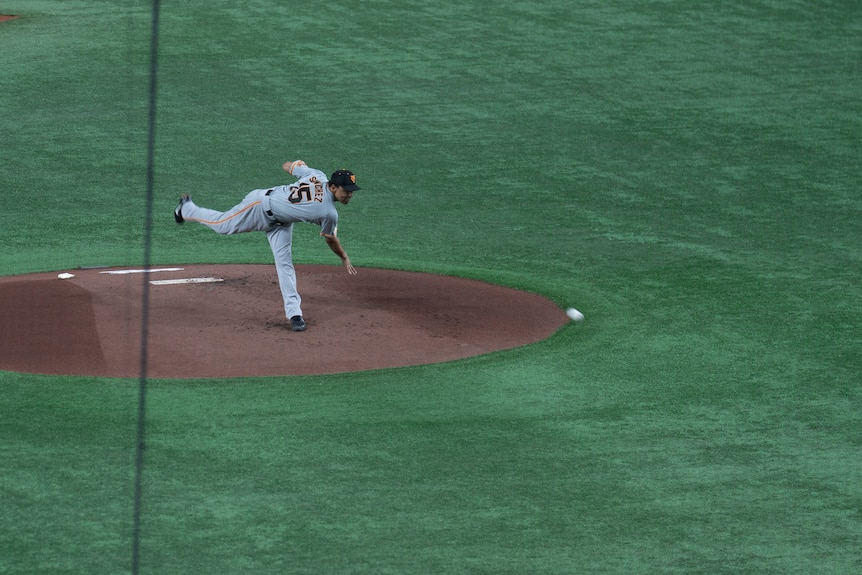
(687, 174)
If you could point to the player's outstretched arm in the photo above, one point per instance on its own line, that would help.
(289, 165)
(335, 245)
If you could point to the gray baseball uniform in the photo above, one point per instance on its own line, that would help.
(274, 211)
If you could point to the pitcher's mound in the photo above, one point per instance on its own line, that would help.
(228, 321)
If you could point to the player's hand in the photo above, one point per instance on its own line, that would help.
(350, 269)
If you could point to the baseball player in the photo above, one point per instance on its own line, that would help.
(274, 211)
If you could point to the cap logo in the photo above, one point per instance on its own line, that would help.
(352, 178)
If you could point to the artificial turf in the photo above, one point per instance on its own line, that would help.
(684, 173)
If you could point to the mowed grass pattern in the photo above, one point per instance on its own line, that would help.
(684, 173)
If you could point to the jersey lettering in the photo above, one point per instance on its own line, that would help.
(318, 189)
(302, 192)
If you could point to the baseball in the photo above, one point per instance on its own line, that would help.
(574, 314)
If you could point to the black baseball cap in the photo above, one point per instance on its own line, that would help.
(346, 179)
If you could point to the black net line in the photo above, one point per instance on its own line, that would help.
(140, 443)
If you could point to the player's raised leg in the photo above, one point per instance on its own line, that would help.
(247, 216)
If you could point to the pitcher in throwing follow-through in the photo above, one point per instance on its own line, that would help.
(274, 211)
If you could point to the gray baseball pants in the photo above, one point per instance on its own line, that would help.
(250, 216)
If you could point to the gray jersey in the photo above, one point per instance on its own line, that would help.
(306, 200)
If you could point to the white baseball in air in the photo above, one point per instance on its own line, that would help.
(574, 314)
(65, 276)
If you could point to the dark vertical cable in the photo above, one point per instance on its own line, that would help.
(145, 307)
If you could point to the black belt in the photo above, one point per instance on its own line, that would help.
(269, 212)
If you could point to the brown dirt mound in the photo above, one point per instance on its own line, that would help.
(91, 324)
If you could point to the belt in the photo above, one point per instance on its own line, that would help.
(267, 206)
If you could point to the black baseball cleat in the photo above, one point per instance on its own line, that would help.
(297, 323)
(178, 211)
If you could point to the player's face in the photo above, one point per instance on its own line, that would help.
(342, 195)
